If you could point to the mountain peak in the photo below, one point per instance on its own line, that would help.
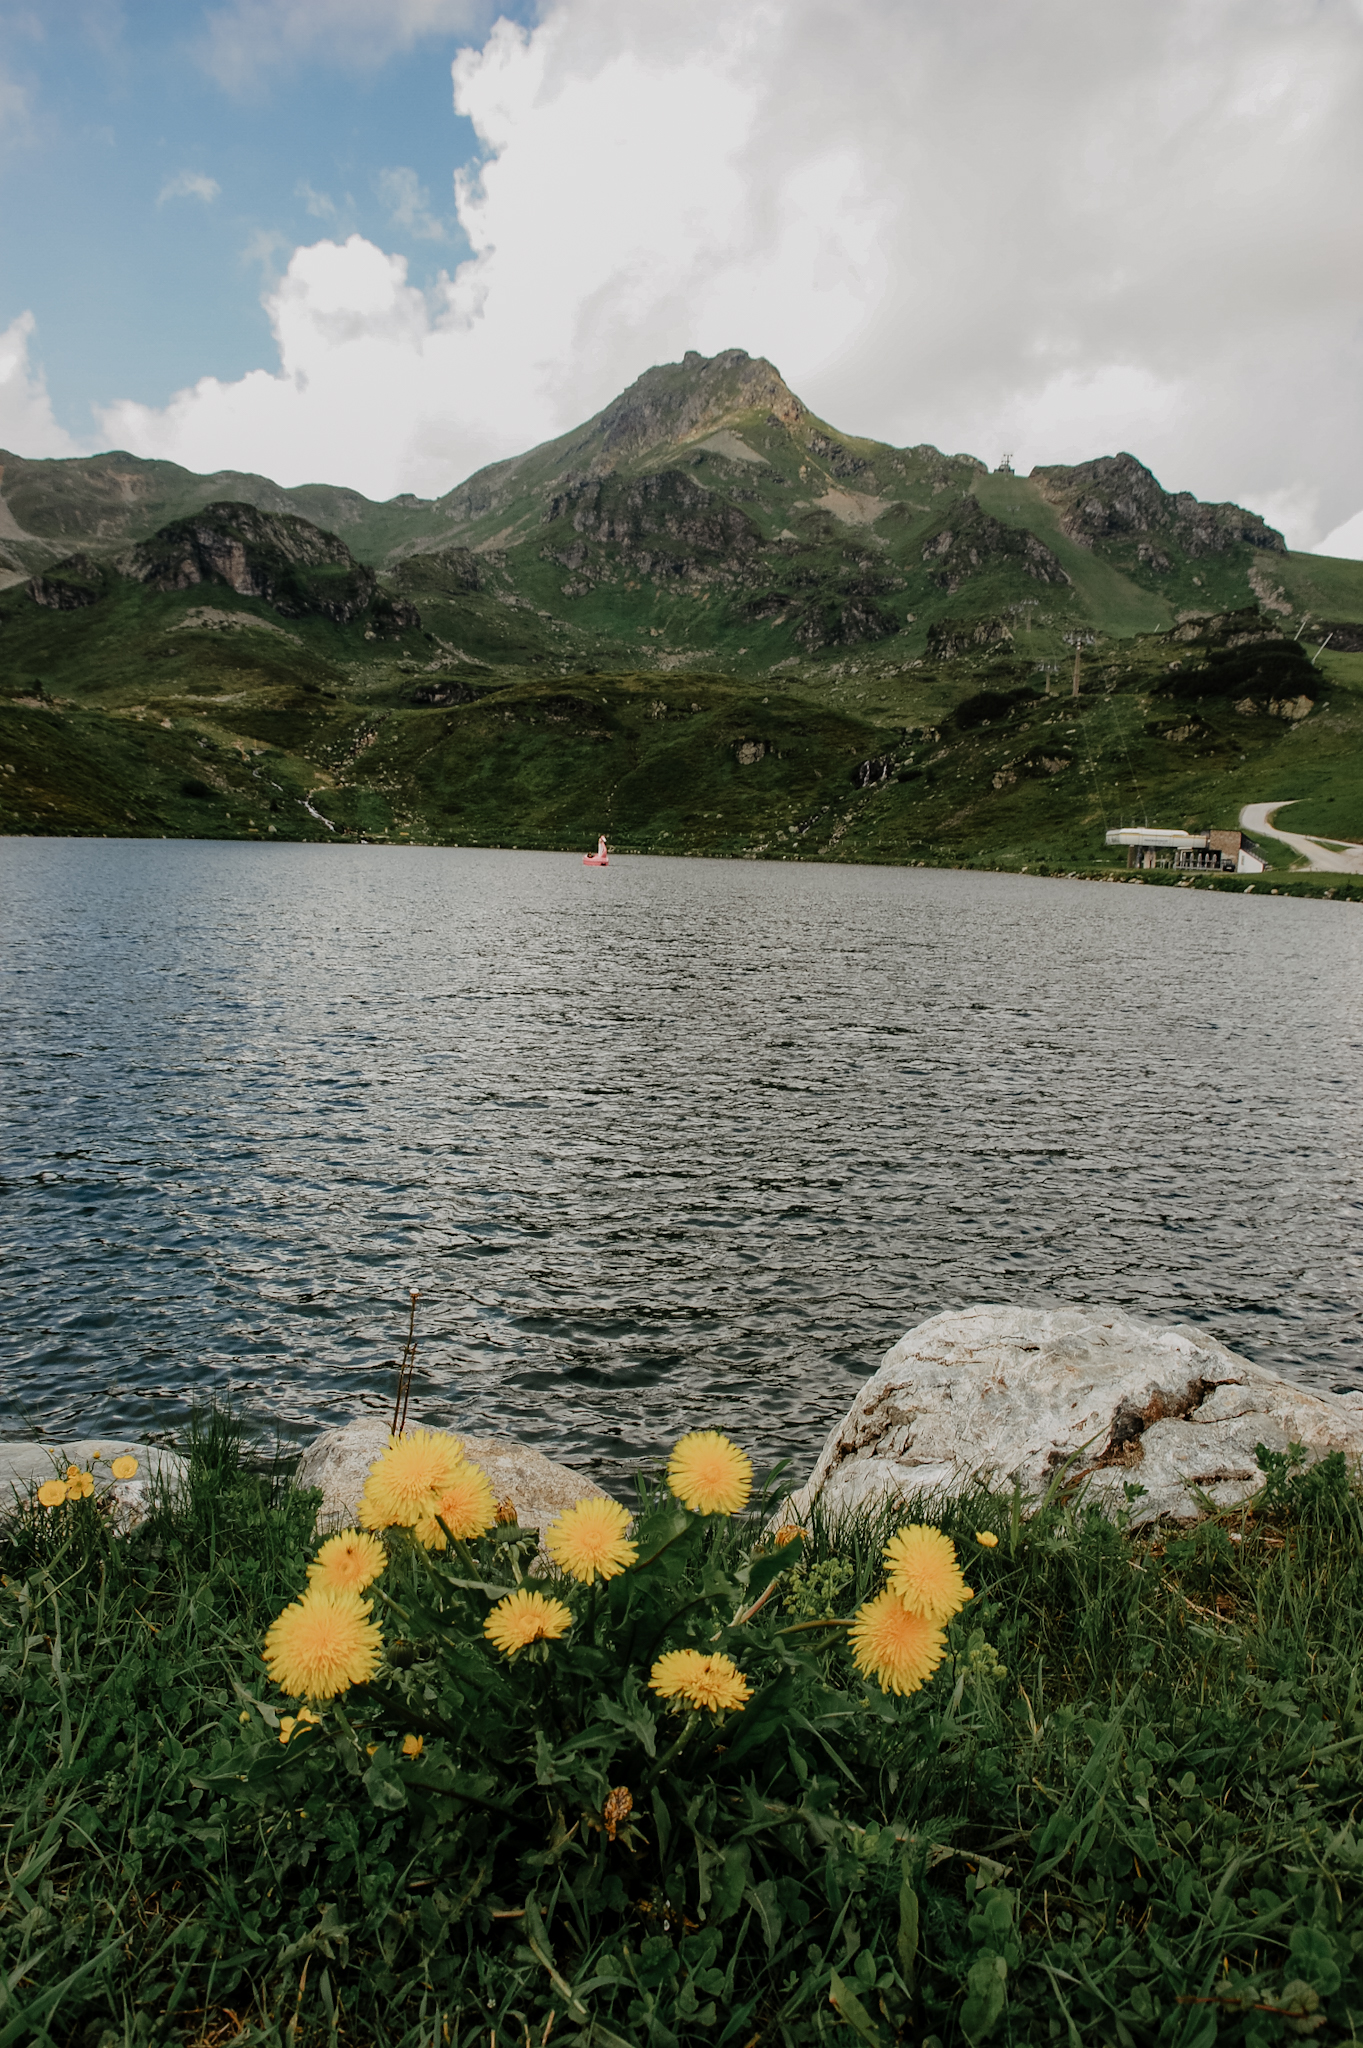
(680, 401)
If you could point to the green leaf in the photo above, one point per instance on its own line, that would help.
(850, 2008)
(986, 1990)
(906, 1941)
(1313, 1952)
(729, 1881)
(385, 1788)
(764, 1902)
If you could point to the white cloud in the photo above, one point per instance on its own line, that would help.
(409, 203)
(1058, 230)
(319, 204)
(1346, 540)
(189, 185)
(250, 41)
(26, 421)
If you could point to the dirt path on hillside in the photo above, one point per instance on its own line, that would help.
(1254, 818)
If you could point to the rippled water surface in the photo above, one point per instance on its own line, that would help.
(677, 1143)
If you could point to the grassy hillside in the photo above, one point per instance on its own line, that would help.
(703, 621)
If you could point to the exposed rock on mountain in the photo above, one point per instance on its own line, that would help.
(71, 584)
(292, 565)
(703, 532)
(970, 540)
(1116, 497)
(452, 570)
(676, 402)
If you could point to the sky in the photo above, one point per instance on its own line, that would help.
(383, 242)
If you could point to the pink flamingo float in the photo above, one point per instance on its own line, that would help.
(599, 859)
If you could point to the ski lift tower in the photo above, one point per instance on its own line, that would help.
(1005, 467)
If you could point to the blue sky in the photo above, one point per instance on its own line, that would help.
(144, 203)
(230, 232)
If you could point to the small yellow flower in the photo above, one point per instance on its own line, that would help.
(245, 1714)
(711, 1682)
(72, 1472)
(466, 1508)
(710, 1475)
(412, 1474)
(79, 1485)
(922, 1569)
(526, 1618)
(890, 1642)
(787, 1533)
(987, 1538)
(347, 1563)
(52, 1492)
(322, 1644)
(293, 1724)
(589, 1540)
(124, 1467)
(412, 1745)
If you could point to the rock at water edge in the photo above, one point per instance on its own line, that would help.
(1017, 1395)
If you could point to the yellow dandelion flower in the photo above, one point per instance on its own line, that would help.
(987, 1538)
(79, 1485)
(52, 1493)
(892, 1643)
(466, 1507)
(411, 1475)
(323, 1643)
(347, 1563)
(413, 1745)
(920, 1563)
(589, 1540)
(293, 1724)
(711, 1682)
(710, 1475)
(124, 1467)
(526, 1618)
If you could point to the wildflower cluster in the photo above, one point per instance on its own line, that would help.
(79, 1484)
(898, 1637)
(327, 1641)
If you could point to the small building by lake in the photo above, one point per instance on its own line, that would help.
(1220, 852)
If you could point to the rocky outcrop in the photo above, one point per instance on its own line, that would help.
(1027, 1397)
(1116, 498)
(949, 637)
(25, 1466)
(270, 555)
(292, 565)
(970, 540)
(70, 584)
(338, 1463)
(628, 513)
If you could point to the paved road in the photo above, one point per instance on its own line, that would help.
(1255, 819)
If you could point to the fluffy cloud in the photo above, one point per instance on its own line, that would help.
(1055, 230)
(189, 185)
(26, 421)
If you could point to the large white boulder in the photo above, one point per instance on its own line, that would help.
(25, 1465)
(1017, 1395)
(338, 1462)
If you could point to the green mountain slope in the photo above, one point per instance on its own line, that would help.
(703, 621)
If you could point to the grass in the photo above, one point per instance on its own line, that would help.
(1125, 1813)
